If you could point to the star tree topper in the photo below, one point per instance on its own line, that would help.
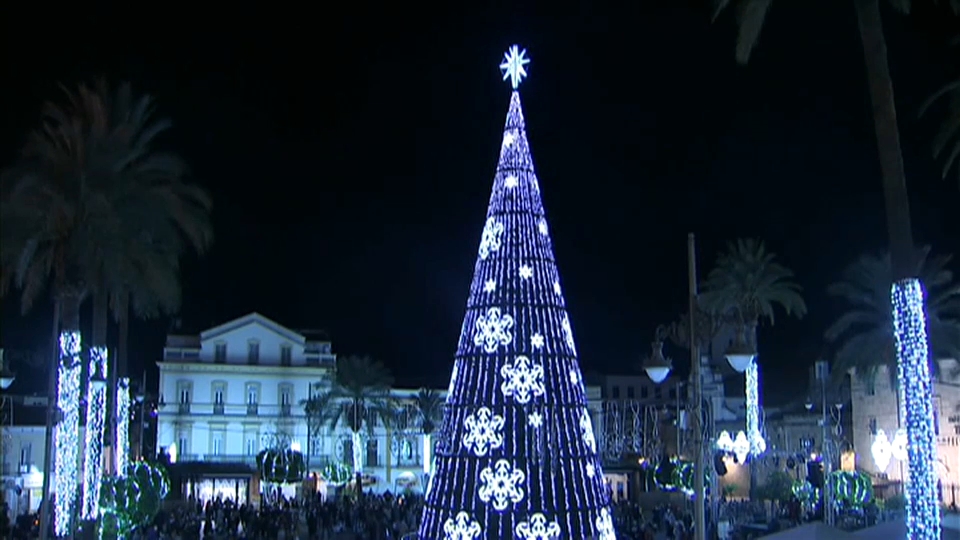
(513, 64)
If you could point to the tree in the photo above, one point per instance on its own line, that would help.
(429, 411)
(863, 335)
(518, 455)
(746, 285)
(361, 394)
(318, 409)
(946, 143)
(923, 514)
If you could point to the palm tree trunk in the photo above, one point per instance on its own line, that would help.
(120, 420)
(913, 348)
(96, 408)
(48, 448)
(68, 400)
(880, 85)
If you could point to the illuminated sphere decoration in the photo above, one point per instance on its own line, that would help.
(517, 456)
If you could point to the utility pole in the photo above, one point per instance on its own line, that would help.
(143, 418)
(823, 372)
(699, 519)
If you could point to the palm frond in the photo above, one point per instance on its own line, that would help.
(750, 18)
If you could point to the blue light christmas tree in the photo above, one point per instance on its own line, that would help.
(517, 456)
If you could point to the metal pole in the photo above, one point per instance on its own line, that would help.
(699, 519)
(52, 419)
(825, 451)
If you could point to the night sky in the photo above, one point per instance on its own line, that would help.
(350, 154)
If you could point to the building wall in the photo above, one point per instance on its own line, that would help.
(22, 466)
(875, 407)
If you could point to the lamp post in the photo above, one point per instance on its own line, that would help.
(658, 368)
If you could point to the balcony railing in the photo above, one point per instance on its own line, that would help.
(220, 458)
(218, 408)
(285, 409)
(183, 408)
(252, 409)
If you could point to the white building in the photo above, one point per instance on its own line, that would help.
(238, 388)
(22, 452)
(875, 416)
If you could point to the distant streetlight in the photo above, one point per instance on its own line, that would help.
(656, 365)
(6, 377)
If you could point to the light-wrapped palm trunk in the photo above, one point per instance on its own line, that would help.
(910, 326)
(67, 435)
(96, 411)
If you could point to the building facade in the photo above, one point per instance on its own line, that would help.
(22, 451)
(879, 438)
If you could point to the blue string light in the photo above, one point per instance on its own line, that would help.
(517, 457)
(916, 408)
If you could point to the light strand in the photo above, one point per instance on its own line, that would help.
(96, 415)
(757, 444)
(916, 409)
(67, 434)
(122, 439)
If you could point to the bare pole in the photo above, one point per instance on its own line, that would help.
(699, 519)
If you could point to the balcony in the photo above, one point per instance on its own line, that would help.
(285, 409)
(222, 458)
(218, 408)
(228, 409)
(252, 409)
(183, 408)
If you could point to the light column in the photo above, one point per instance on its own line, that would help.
(122, 438)
(93, 449)
(916, 408)
(68, 430)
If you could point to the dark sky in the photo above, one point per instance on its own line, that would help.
(350, 153)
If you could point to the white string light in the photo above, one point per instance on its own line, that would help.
(755, 438)
(67, 433)
(916, 407)
(122, 439)
(527, 465)
(96, 414)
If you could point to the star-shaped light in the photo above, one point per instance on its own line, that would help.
(526, 272)
(535, 419)
(509, 137)
(591, 469)
(543, 227)
(537, 340)
(513, 64)
(556, 287)
(490, 286)
(511, 181)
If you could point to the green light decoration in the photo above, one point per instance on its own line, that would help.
(281, 466)
(676, 475)
(337, 472)
(804, 491)
(851, 489)
(132, 499)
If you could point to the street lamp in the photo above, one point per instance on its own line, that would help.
(740, 354)
(6, 377)
(656, 365)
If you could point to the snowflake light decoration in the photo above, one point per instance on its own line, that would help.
(509, 137)
(542, 227)
(490, 238)
(511, 181)
(462, 527)
(556, 288)
(568, 334)
(523, 380)
(501, 485)
(537, 341)
(604, 525)
(591, 470)
(526, 272)
(538, 528)
(535, 420)
(484, 431)
(574, 377)
(493, 330)
(586, 427)
(514, 65)
(881, 450)
(899, 445)
(490, 286)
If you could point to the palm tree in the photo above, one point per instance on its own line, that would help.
(904, 256)
(863, 334)
(361, 390)
(92, 205)
(745, 286)
(429, 410)
(318, 409)
(946, 143)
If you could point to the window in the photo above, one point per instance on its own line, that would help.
(183, 443)
(25, 457)
(252, 394)
(183, 396)
(873, 426)
(251, 445)
(286, 399)
(644, 392)
(673, 393)
(286, 354)
(216, 443)
(657, 392)
(616, 392)
(631, 392)
(220, 353)
(253, 352)
(372, 453)
(871, 387)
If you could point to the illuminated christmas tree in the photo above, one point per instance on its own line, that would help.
(517, 456)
